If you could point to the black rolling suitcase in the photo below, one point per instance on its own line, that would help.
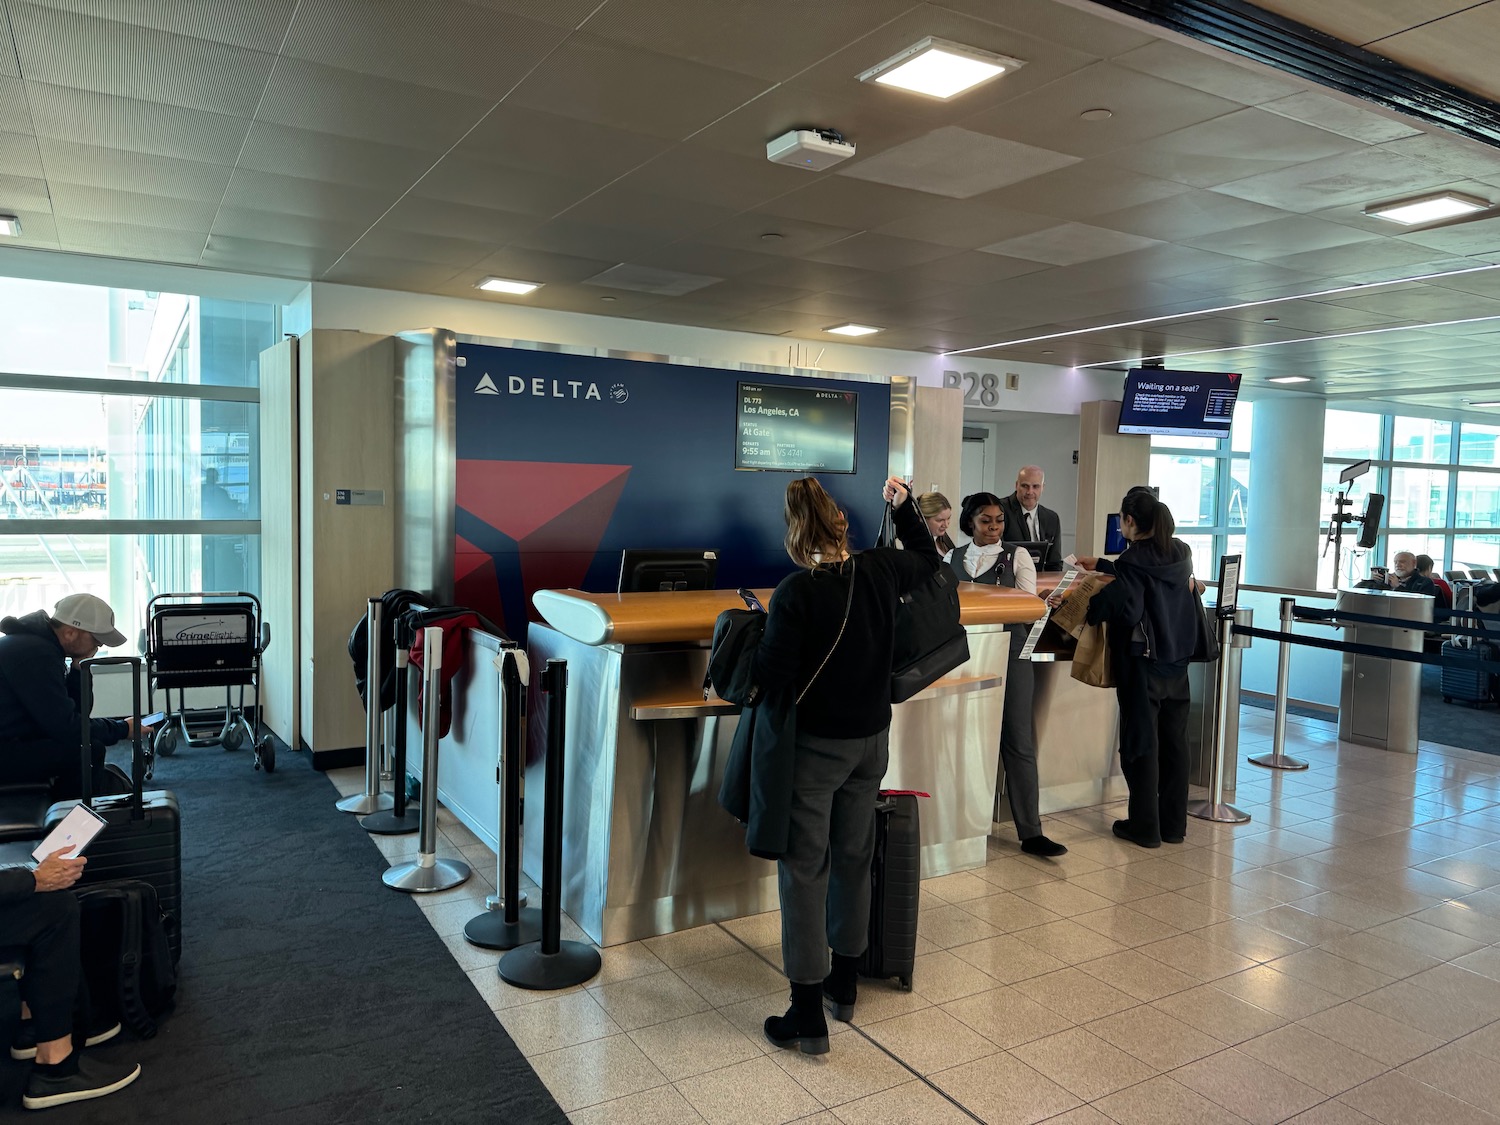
(143, 837)
(895, 885)
(1467, 684)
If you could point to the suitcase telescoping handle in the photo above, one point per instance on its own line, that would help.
(86, 739)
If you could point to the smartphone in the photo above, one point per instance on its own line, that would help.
(751, 601)
(152, 719)
(1379, 573)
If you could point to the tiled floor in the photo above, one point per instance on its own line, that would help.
(1334, 962)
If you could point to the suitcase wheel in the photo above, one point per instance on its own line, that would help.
(905, 983)
(265, 755)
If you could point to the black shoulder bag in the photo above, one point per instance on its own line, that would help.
(930, 641)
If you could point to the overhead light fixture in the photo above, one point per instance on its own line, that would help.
(1290, 379)
(10, 226)
(508, 285)
(939, 69)
(852, 330)
(1428, 208)
(1495, 403)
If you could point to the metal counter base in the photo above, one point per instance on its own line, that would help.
(646, 848)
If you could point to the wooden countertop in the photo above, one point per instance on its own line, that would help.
(688, 615)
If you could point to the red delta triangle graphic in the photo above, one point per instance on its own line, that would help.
(474, 581)
(1233, 377)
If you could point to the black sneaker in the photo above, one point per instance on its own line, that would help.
(1040, 845)
(24, 1044)
(91, 1079)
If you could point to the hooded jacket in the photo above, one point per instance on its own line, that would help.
(1156, 592)
(35, 704)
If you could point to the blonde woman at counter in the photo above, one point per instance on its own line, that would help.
(829, 638)
(985, 559)
(938, 512)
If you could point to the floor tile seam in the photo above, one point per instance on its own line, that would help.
(1400, 1070)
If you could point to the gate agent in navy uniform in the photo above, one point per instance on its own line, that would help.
(987, 560)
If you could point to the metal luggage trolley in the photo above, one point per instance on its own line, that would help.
(207, 639)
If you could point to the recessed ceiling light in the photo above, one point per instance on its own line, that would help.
(939, 69)
(10, 226)
(1290, 379)
(608, 298)
(1428, 208)
(508, 285)
(1100, 114)
(852, 330)
(1272, 320)
(770, 236)
(1496, 403)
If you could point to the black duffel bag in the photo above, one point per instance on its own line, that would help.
(930, 641)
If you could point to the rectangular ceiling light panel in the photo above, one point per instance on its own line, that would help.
(506, 285)
(10, 226)
(939, 69)
(1428, 208)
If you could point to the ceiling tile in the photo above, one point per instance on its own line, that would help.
(872, 125)
(279, 228)
(1385, 254)
(1458, 48)
(250, 255)
(972, 267)
(840, 201)
(707, 175)
(563, 236)
(459, 179)
(263, 191)
(327, 156)
(387, 273)
(1232, 148)
(1187, 215)
(798, 238)
(618, 206)
(390, 242)
(802, 274)
(1264, 241)
(751, 295)
(260, 26)
(1363, 177)
(15, 114)
(879, 252)
(1314, 316)
(770, 39)
(1069, 243)
(836, 307)
(1143, 107)
(38, 229)
(416, 215)
(20, 157)
(691, 256)
(1458, 156)
(9, 66)
(957, 163)
(591, 79)
(126, 171)
(324, 99)
(151, 128)
(538, 265)
(485, 52)
(965, 224)
(1480, 237)
(1057, 23)
(908, 285)
(570, 14)
(109, 57)
(119, 240)
(1214, 72)
(517, 137)
(22, 193)
(779, 322)
(585, 299)
(101, 205)
(1341, 117)
(1083, 191)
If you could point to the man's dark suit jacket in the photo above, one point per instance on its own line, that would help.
(1048, 525)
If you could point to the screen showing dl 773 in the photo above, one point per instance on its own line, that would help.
(796, 429)
(1178, 403)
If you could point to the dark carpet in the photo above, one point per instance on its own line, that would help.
(308, 991)
(1448, 724)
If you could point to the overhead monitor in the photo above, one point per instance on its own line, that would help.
(1369, 523)
(652, 570)
(795, 429)
(1358, 469)
(1178, 403)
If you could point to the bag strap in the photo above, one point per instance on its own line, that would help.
(848, 605)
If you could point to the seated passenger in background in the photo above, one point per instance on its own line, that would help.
(1444, 591)
(1404, 577)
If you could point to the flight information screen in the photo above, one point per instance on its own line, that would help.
(795, 429)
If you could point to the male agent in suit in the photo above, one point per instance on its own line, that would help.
(1026, 521)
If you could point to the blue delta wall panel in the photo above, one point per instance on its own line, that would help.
(565, 460)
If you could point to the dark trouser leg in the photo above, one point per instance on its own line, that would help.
(851, 842)
(825, 766)
(1138, 755)
(1172, 749)
(47, 925)
(1018, 743)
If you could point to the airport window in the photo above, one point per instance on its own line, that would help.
(146, 480)
(1479, 445)
(1206, 483)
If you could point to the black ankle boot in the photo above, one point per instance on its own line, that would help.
(803, 1027)
(841, 987)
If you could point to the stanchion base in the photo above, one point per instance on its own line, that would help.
(362, 804)
(418, 880)
(529, 967)
(490, 930)
(1277, 762)
(496, 902)
(389, 824)
(1222, 813)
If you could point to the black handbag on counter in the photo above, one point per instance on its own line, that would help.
(930, 641)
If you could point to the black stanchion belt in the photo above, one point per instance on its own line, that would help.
(1366, 650)
(1336, 617)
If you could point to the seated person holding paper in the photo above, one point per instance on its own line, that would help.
(39, 914)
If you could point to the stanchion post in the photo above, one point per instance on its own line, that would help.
(1278, 759)
(504, 925)
(1215, 808)
(552, 962)
(429, 873)
(399, 819)
(372, 799)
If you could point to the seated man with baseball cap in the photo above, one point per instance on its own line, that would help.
(39, 722)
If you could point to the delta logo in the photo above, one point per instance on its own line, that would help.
(576, 389)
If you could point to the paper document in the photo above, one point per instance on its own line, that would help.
(1041, 622)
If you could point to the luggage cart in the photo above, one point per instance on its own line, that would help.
(199, 640)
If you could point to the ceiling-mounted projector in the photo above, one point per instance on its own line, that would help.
(813, 149)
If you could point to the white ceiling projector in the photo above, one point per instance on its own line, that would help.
(812, 149)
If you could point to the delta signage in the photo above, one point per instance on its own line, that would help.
(551, 388)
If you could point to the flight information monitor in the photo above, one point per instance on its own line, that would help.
(1178, 403)
(795, 429)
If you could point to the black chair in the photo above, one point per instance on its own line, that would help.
(23, 811)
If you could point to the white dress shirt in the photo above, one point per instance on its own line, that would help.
(979, 559)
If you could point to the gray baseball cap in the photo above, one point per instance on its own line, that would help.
(92, 615)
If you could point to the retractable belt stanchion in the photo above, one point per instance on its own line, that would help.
(552, 962)
(1278, 759)
(400, 818)
(372, 799)
(428, 872)
(1215, 808)
(504, 925)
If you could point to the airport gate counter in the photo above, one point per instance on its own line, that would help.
(646, 848)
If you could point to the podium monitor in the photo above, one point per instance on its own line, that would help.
(649, 570)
